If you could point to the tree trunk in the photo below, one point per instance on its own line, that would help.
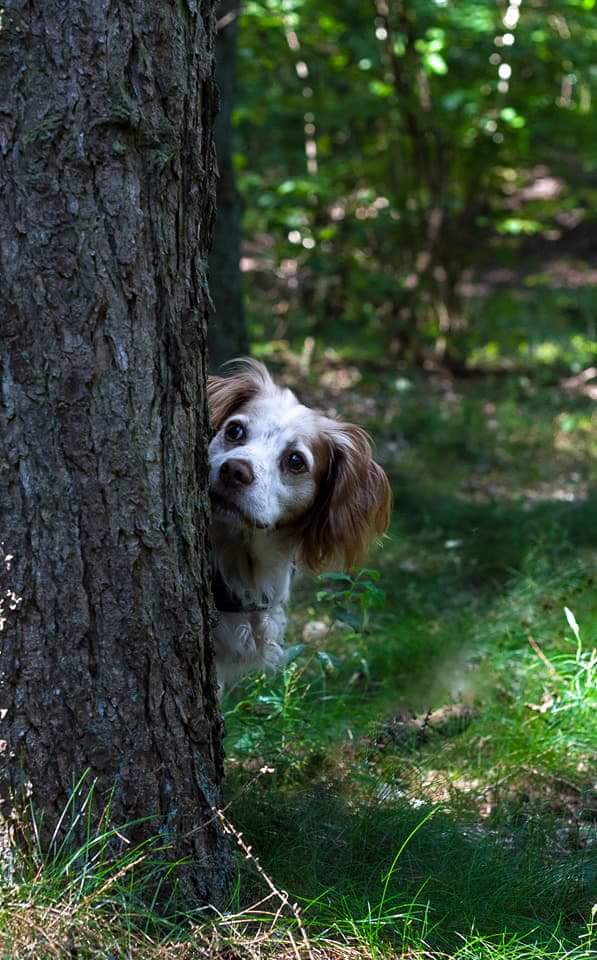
(107, 179)
(227, 329)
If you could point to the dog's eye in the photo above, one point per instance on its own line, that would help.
(235, 432)
(295, 462)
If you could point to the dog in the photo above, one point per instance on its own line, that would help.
(288, 486)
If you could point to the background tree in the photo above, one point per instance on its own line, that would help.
(450, 138)
(107, 186)
(227, 331)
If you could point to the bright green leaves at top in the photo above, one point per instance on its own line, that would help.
(511, 117)
(410, 115)
(380, 89)
(430, 47)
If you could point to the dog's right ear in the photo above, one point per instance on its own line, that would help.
(225, 395)
(353, 502)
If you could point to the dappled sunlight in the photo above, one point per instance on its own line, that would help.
(393, 206)
(466, 695)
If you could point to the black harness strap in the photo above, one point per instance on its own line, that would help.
(226, 601)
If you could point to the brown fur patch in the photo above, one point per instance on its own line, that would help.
(225, 395)
(353, 500)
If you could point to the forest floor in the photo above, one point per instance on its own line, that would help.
(430, 753)
(421, 778)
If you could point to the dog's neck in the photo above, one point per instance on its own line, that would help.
(252, 568)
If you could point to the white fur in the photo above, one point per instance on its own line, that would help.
(259, 525)
(252, 550)
(274, 422)
(254, 640)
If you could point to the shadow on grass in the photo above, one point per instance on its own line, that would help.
(504, 875)
(466, 580)
(335, 856)
(461, 577)
(494, 539)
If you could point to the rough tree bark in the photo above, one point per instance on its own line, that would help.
(107, 180)
(227, 329)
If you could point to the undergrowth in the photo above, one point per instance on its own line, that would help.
(447, 699)
(419, 780)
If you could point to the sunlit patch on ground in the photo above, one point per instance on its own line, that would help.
(467, 694)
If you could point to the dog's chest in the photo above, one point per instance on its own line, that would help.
(248, 577)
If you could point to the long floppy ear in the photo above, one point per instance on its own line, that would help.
(226, 394)
(353, 502)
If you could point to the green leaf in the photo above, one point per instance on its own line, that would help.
(335, 576)
(371, 573)
(380, 89)
(436, 63)
(348, 617)
(294, 651)
(328, 663)
(519, 225)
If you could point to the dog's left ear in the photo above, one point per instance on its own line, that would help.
(353, 502)
(225, 395)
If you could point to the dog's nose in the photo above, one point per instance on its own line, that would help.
(236, 473)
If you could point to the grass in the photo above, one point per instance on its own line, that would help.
(489, 546)
(420, 778)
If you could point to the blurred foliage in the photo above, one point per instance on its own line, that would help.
(392, 152)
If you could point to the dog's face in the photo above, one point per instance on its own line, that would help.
(262, 467)
(277, 465)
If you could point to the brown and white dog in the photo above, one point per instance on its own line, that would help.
(287, 485)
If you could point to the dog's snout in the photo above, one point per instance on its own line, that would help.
(236, 473)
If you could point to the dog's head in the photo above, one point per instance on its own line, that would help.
(277, 465)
